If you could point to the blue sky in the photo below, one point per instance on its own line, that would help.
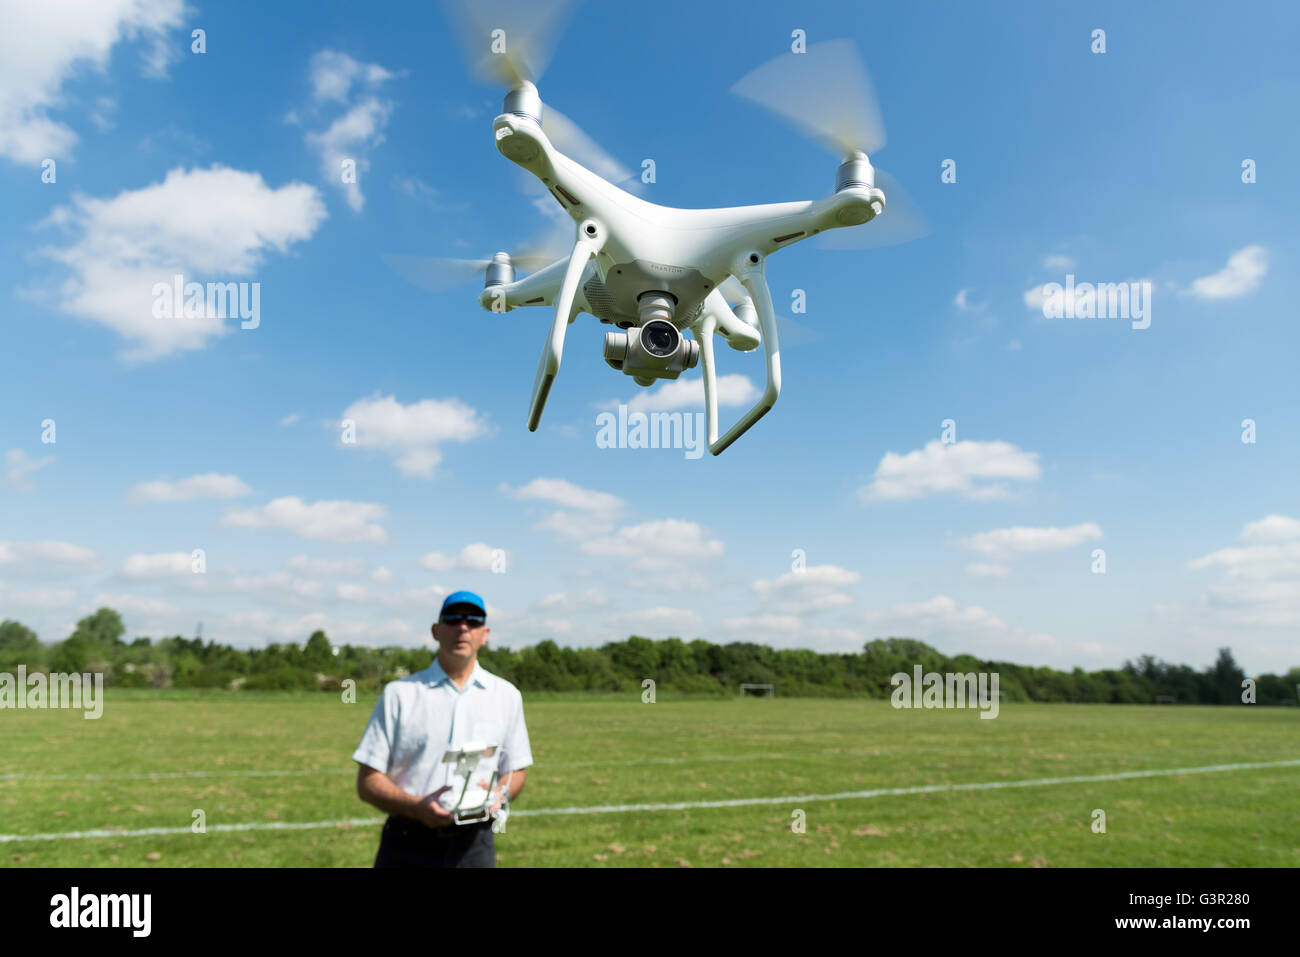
(1071, 434)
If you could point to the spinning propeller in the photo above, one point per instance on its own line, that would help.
(827, 92)
(438, 273)
(509, 44)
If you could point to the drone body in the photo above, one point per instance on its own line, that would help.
(656, 271)
(638, 263)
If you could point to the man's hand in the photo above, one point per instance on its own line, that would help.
(498, 796)
(431, 812)
(375, 787)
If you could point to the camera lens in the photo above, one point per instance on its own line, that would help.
(659, 338)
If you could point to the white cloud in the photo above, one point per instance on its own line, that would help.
(350, 591)
(551, 627)
(1245, 268)
(586, 513)
(42, 46)
(19, 468)
(343, 522)
(765, 623)
(332, 75)
(429, 597)
(589, 521)
(656, 544)
(812, 577)
(290, 419)
(259, 627)
(788, 631)
(209, 485)
(381, 576)
(1035, 297)
(576, 526)
(976, 630)
(665, 578)
(1260, 582)
(419, 462)
(57, 598)
(588, 600)
(52, 553)
(565, 494)
(682, 393)
(134, 604)
(1087, 299)
(815, 588)
(959, 300)
(1005, 541)
(1272, 528)
(207, 225)
(1058, 262)
(352, 135)
(325, 567)
(277, 584)
(659, 620)
(965, 468)
(165, 565)
(412, 433)
(347, 141)
(476, 557)
(941, 613)
(1247, 560)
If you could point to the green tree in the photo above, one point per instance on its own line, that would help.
(1226, 676)
(19, 646)
(17, 637)
(318, 655)
(636, 658)
(1292, 679)
(103, 628)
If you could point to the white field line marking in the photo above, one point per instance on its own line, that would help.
(151, 831)
(683, 806)
(167, 775)
(888, 792)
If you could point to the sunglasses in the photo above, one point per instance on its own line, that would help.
(474, 621)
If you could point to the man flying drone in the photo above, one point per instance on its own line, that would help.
(445, 751)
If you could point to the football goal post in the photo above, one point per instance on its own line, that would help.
(758, 691)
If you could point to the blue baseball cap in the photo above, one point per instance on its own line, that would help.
(463, 598)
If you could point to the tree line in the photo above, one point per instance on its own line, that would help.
(97, 644)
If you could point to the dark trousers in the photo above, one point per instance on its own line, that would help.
(408, 843)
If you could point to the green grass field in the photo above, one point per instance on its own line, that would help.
(612, 751)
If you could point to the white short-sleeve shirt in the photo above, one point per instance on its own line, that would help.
(419, 718)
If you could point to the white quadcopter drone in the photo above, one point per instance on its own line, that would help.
(655, 271)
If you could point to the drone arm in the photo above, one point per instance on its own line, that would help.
(590, 241)
(750, 272)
